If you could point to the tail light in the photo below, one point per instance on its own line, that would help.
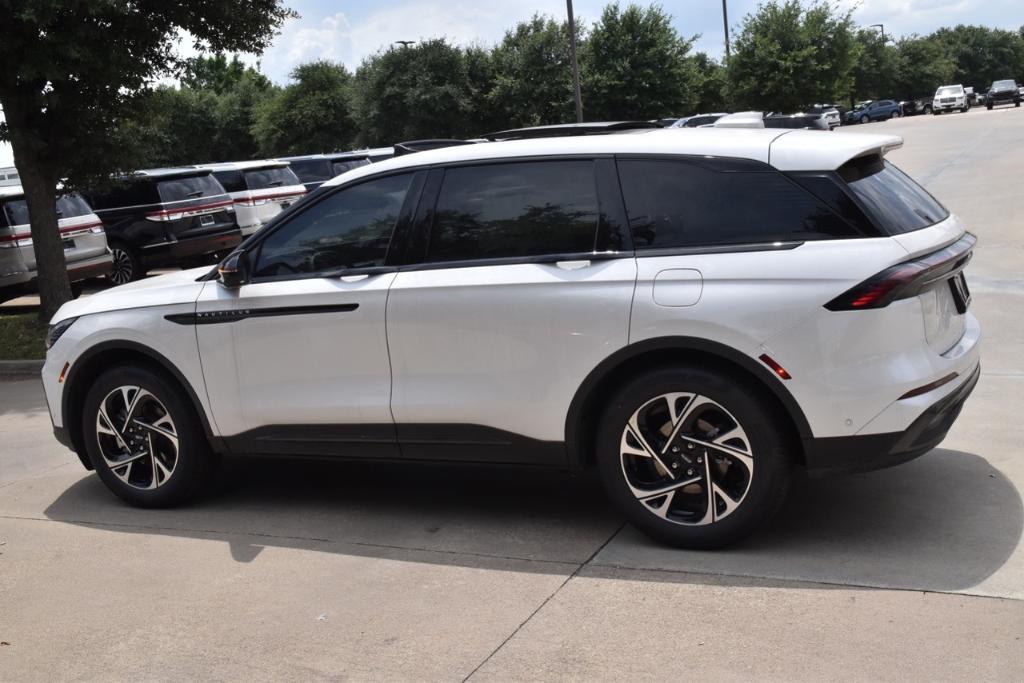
(907, 279)
(187, 212)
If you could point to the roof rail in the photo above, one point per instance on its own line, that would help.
(411, 146)
(567, 129)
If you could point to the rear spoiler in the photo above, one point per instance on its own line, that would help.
(808, 151)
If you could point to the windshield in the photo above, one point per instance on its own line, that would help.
(264, 178)
(896, 202)
(68, 206)
(1004, 85)
(950, 90)
(191, 187)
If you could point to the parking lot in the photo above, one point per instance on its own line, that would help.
(346, 570)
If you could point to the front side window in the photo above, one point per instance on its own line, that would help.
(231, 180)
(678, 203)
(311, 170)
(267, 178)
(349, 229)
(892, 199)
(515, 210)
(189, 187)
(340, 167)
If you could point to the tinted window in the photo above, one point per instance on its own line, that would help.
(264, 178)
(349, 229)
(231, 181)
(190, 187)
(515, 209)
(1004, 85)
(674, 203)
(68, 206)
(342, 166)
(896, 202)
(124, 193)
(311, 170)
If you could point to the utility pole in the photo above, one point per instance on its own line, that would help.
(725, 24)
(575, 63)
(880, 27)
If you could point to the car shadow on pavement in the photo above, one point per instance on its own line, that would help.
(946, 521)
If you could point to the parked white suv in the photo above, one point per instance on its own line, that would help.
(695, 313)
(949, 98)
(260, 189)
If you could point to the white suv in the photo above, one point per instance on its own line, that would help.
(260, 189)
(949, 98)
(695, 313)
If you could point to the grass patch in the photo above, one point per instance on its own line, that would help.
(22, 337)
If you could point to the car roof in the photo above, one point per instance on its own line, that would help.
(785, 149)
(164, 173)
(244, 165)
(339, 156)
(11, 191)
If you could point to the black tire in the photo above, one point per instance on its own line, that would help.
(77, 288)
(1016, 104)
(988, 106)
(193, 465)
(769, 448)
(927, 109)
(126, 266)
(864, 119)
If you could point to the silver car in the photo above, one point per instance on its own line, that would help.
(85, 242)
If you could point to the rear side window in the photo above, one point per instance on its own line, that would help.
(340, 167)
(349, 229)
(515, 210)
(189, 187)
(15, 212)
(895, 202)
(311, 170)
(678, 203)
(264, 178)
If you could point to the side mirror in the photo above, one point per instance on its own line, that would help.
(233, 271)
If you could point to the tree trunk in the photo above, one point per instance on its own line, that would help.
(40, 185)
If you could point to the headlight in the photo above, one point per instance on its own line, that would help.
(55, 331)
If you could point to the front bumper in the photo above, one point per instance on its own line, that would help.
(865, 452)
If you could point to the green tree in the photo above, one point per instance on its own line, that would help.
(875, 68)
(636, 66)
(787, 55)
(981, 54)
(215, 72)
(73, 70)
(712, 84)
(922, 65)
(408, 93)
(533, 74)
(311, 114)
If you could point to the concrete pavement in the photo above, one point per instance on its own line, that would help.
(359, 571)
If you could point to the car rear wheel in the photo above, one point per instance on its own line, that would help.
(693, 458)
(125, 266)
(144, 439)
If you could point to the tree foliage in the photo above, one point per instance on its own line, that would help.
(981, 55)
(788, 54)
(412, 92)
(310, 114)
(636, 66)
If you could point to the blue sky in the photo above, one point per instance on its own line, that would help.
(349, 31)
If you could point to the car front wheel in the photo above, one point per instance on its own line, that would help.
(693, 458)
(864, 118)
(144, 439)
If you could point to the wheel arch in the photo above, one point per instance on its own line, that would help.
(90, 364)
(594, 391)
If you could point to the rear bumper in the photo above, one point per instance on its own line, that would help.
(95, 267)
(170, 253)
(865, 452)
(22, 283)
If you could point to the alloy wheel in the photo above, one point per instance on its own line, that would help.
(686, 459)
(121, 270)
(137, 437)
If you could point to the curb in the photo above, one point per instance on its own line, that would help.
(20, 368)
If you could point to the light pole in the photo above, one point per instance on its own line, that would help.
(404, 43)
(575, 63)
(881, 27)
(725, 24)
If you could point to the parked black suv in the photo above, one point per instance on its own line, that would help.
(165, 217)
(1002, 92)
(316, 169)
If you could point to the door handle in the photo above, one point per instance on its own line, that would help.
(354, 278)
(573, 265)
